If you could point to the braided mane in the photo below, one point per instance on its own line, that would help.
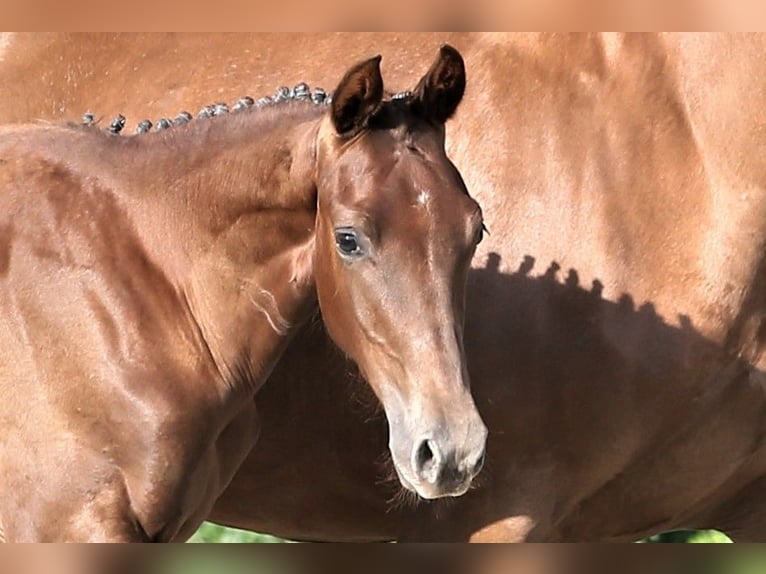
(301, 92)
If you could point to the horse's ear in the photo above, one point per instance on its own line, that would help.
(439, 92)
(357, 97)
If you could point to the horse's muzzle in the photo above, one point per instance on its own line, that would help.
(440, 469)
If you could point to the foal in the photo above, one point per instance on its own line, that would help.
(149, 284)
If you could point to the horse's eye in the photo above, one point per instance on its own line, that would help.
(482, 232)
(348, 243)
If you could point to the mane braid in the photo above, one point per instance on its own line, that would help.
(301, 92)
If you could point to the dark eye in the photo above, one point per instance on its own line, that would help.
(348, 243)
(482, 231)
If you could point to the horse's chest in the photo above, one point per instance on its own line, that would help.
(185, 469)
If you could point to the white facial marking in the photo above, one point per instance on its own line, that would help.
(423, 197)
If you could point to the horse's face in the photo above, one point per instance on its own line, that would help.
(396, 231)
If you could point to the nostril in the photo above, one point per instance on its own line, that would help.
(425, 454)
(426, 461)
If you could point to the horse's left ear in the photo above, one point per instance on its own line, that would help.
(439, 92)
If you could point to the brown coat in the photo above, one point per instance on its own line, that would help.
(614, 326)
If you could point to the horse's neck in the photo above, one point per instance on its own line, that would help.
(240, 206)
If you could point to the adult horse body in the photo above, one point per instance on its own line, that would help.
(631, 165)
(624, 394)
(149, 284)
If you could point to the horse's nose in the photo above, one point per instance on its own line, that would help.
(479, 464)
(427, 461)
(443, 466)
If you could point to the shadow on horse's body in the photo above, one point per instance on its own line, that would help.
(615, 162)
(149, 284)
(553, 326)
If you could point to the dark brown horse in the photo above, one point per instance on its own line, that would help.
(614, 326)
(149, 284)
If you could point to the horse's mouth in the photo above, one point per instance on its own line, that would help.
(404, 482)
(430, 491)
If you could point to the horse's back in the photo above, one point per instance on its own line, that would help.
(186, 71)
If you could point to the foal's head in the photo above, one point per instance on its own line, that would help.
(396, 231)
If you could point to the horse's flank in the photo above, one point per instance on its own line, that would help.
(615, 314)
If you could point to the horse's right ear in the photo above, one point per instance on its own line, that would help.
(357, 97)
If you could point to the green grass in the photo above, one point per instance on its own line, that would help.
(209, 532)
(691, 536)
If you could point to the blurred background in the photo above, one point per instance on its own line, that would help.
(210, 532)
(472, 559)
